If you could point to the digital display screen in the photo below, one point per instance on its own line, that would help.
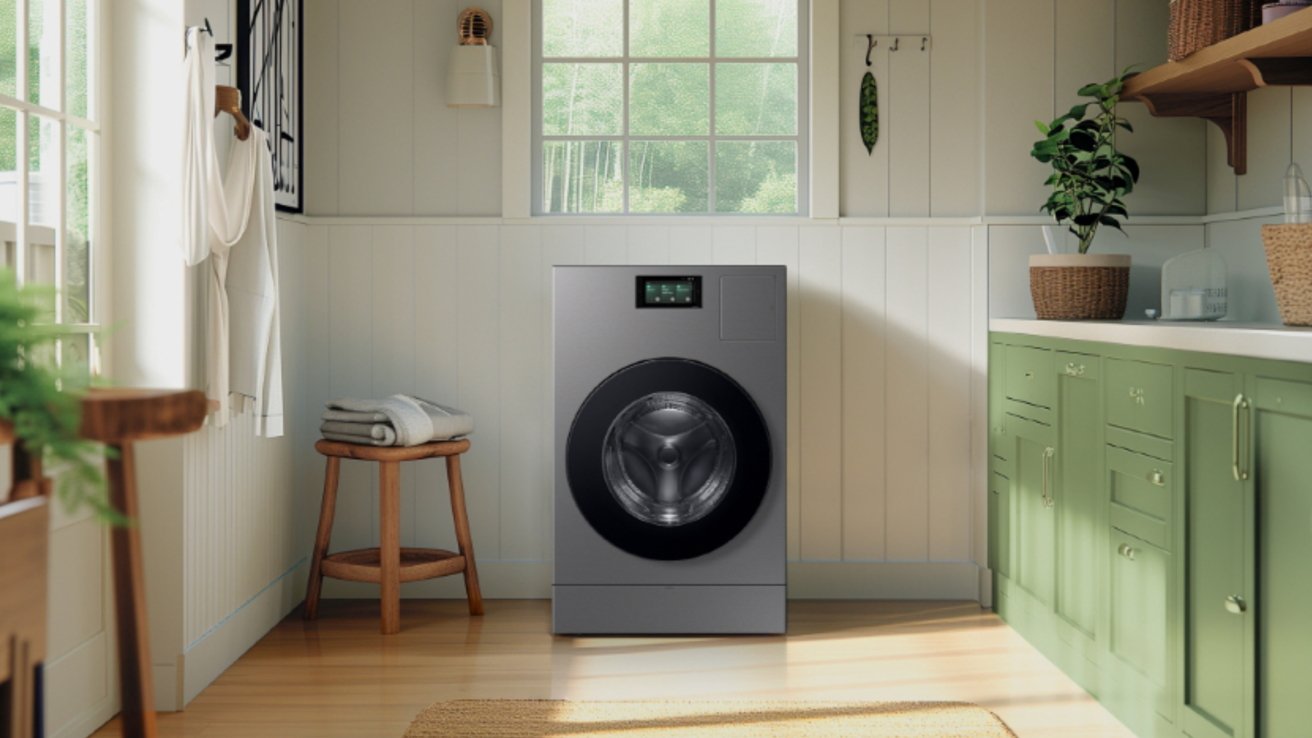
(673, 292)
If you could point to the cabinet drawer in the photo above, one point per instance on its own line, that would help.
(1140, 396)
(1030, 378)
(1140, 482)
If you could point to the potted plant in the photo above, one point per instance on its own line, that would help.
(40, 406)
(1089, 180)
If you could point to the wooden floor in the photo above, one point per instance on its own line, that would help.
(339, 677)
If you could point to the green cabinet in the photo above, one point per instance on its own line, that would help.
(1218, 680)
(1151, 529)
(1282, 476)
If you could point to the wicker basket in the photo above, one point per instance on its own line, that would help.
(1196, 24)
(1289, 259)
(1079, 287)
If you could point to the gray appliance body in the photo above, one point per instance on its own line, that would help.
(621, 577)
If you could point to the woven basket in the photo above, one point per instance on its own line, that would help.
(1289, 259)
(1196, 24)
(1076, 287)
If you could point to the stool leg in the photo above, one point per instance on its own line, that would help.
(389, 544)
(134, 664)
(466, 542)
(326, 510)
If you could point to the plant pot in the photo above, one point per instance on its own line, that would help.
(1079, 286)
(1289, 259)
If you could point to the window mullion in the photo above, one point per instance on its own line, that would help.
(710, 149)
(20, 144)
(624, 118)
(60, 167)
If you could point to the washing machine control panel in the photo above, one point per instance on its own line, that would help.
(669, 292)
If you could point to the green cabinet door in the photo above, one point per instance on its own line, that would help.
(1000, 524)
(1282, 475)
(1077, 498)
(1138, 631)
(1218, 686)
(1033, 533)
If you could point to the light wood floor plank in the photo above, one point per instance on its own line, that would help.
(339, 677)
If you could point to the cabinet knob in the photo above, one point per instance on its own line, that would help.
(1235, 604)
(1127, 551)
(1075, 370)
(1157, 478)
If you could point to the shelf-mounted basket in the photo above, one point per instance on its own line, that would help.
(1196, 24)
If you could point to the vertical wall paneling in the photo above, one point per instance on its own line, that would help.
(779, 245)
(955, 155)
(979, 404)
(605, 244)
(864, 177)
(393, 353)
(351, 324)
(525, 492)
(1301, 128)
(734, 244)
(1018, 76)
(863, 393)
(820, 261)
(322, 106)
(948, 321)
(907, 116)
(907, 409)
(376, 106)
(1174, 173)
(1269, 114)
(691, 244)
(648, 244)
(516, 103)
(1222, 184)
(479, 359)
(1085, 49)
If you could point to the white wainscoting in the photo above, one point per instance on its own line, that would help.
(884, 323)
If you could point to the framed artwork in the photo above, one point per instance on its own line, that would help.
(269, 75)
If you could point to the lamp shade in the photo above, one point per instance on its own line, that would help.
(472, 80)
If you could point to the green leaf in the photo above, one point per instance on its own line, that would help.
(869, 108)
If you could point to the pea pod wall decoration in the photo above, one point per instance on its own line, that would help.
(869, 112)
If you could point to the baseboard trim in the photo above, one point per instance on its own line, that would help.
(205, 658)
(807, 580)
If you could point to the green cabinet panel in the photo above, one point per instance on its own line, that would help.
(1000, 524)
(1139, 587)
(1077, 494)
(1140, 396)
(1282, 473)
(1217, 638)
(1033, 535)
(1028, 378)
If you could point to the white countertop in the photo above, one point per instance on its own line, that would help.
(1260, 340)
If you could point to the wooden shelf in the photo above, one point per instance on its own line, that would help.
(1212, 83)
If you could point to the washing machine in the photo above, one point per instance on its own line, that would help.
(670, 401)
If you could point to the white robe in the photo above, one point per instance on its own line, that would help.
(243, 351)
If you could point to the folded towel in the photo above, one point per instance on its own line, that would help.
(346, 416)
(359, 440)
(415, 419)
(368, 431)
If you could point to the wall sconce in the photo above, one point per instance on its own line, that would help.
(472, 80)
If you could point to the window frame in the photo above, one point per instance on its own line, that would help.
(801, 137)
(26, 111)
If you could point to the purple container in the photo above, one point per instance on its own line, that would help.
(1273, 11)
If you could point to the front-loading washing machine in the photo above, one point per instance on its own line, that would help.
(670, 401)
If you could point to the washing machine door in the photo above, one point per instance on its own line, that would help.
(668, 459)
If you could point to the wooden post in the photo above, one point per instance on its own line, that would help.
(134, 667)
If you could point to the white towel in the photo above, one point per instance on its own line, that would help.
(381, 434)
(415, 419)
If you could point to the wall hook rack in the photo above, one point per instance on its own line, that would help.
(871, 43)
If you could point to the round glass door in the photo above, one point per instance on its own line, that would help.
(668, 459)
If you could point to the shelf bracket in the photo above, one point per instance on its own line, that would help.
(1229, 111)
(1279, 70)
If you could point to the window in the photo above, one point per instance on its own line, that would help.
(669, 106)
(49, 142)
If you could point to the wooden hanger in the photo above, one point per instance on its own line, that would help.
(228, 100)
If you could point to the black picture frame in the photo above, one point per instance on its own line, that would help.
(273, 96)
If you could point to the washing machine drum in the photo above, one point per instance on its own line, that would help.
(668, 459)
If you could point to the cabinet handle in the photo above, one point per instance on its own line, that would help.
(1127, 551)
(1075, 370)
(1235, 604)
(1240, 403)
(1136, 394)
(1157, 478)
(1048, 452)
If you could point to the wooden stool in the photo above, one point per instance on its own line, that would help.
(390, 564)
